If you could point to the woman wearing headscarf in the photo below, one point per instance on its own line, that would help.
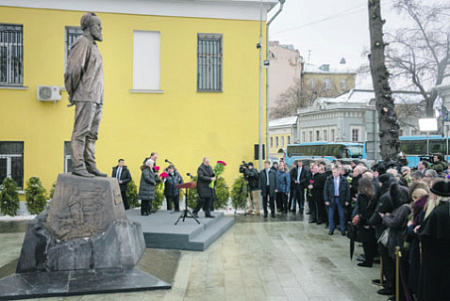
(419, 195)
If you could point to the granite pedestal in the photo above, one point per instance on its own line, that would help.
(84, 244)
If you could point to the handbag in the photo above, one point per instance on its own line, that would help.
(384, 237)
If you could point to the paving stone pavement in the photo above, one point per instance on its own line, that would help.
(277, 259)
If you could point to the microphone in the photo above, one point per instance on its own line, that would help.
(168, 161)
(188, 174)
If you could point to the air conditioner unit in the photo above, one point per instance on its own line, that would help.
(48, 93)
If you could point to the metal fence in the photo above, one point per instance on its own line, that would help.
(209, 62)
(11, 54)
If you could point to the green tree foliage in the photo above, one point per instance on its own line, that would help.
(35, 196)
(9, 197)
(193, 196)
(222, 194)
(132, 195)
(52, 190)
(159, 196)
(239, 193)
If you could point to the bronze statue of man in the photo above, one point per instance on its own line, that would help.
(84, 83)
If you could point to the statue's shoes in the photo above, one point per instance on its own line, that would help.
(82, 173)
(97, 173)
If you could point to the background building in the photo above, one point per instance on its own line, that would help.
(181, 79)
(326, 80)
(352, 117)
(282, 132)
(284, 71)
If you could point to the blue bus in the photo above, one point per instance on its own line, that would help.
(327, 150)
(415, 147)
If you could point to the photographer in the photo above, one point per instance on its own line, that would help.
(439, 164)
(252, 176)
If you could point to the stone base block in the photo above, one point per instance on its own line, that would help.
(120, 246)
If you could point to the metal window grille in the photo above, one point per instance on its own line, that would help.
(11, 54)
(67, 156)
(72, 33)
(355, 135)
(209, 62)
(11, 162)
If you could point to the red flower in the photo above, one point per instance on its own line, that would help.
(156, 168)
(221, 162)
(311, 181)
(164, 175)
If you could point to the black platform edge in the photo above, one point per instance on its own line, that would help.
(75, 283)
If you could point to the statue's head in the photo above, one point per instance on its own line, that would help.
(92, 25)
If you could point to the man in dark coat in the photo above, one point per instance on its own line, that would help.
(292, 187)
(434, 236)
(122, 174)
(205, 175)
(171, 193)
(313, 195)
(337, 196)
(268, 184)
(319, 185)
(252, 175)
(299, 179)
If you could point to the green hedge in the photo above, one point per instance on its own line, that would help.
(9, 197)
(239, 193)
(132, 195)
(35, 196)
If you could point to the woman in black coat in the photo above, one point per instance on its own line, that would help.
(147, 186)
(434, 236)
(366, 207)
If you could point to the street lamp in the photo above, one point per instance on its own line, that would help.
(428, 125)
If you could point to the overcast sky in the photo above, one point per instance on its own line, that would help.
(329, 29)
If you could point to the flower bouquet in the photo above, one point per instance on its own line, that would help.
(164, 175)
(218, 169)
(310, 187)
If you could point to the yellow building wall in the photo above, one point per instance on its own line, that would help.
(181, 124)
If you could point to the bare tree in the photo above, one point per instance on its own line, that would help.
(301, 95)
(420, 52)
(289, 102)
(387, 118)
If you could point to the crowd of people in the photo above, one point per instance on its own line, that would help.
(393, 208)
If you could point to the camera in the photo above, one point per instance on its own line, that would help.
(243, 167)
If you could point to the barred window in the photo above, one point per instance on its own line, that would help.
(11, 162)
(11, 54)
(72, 33)
(67, 156)
(209, 63)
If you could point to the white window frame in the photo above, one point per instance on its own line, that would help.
(143, 81)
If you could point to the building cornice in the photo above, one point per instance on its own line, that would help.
(211, 9)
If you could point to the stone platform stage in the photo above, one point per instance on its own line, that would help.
(160, 230)
(77, 282)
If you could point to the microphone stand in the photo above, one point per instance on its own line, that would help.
(186, 212)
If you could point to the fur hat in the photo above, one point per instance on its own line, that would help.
(441, 188)
(399, 195)
(385, 177)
